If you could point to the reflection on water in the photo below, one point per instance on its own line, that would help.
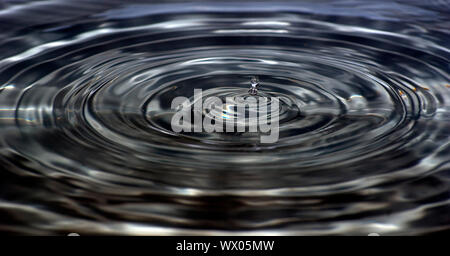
(86, 144)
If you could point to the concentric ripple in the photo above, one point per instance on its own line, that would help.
(86, 142)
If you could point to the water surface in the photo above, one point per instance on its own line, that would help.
(86, 144)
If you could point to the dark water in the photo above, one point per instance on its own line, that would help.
(85, 138)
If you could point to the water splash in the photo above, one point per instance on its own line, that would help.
(254, 84)
(86, 144)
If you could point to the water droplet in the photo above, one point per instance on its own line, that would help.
(254, 84)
